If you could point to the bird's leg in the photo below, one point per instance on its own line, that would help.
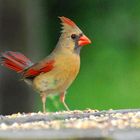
(62, 99)
(43, 98)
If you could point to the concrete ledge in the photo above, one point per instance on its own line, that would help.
(87, 124)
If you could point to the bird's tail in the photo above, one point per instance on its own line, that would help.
(15, 61)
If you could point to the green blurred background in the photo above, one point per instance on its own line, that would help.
(110, 67)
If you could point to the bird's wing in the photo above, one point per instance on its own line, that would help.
(41, 67)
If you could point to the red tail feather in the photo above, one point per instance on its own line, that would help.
(15, 61)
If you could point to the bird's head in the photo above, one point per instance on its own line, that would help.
(72, 38)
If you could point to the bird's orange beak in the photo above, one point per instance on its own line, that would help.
(83, 40)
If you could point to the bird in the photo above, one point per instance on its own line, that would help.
(55, 73)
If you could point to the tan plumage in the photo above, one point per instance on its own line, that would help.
(56, 72)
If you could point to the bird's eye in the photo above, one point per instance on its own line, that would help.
(81, 34)
(73, 36)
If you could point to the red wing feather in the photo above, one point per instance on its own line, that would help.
(37, 69)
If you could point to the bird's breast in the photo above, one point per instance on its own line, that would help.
(60, 77)
(69, 70)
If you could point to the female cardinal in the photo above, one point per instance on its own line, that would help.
(56, 72)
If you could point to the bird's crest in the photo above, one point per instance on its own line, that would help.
(67, 21)
(67, 24)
